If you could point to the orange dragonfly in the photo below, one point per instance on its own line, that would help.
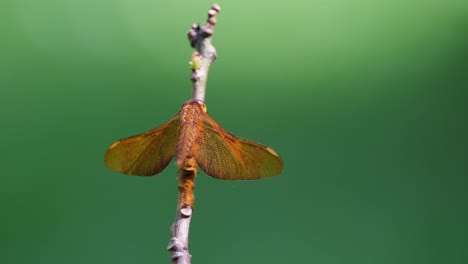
(192, 133)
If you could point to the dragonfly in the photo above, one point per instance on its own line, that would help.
(193, 134)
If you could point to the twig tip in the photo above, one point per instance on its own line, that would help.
(216, 7)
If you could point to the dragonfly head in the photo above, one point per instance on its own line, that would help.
(194, 101)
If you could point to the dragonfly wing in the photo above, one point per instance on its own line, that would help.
(145, 154)
(227, 157)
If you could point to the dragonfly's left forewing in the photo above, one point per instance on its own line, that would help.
(227, 157)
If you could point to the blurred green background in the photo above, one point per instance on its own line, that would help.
(366, 101)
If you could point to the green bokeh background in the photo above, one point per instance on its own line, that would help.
(366, 101)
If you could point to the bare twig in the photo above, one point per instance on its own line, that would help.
(205, 54)
(178, 246)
